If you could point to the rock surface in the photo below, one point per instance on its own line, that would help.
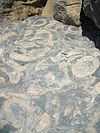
(20, 9)
(66, 11)
(49, 78)
(92, 10)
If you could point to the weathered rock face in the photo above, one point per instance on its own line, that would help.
(49, 78)
(66, 11)
(6, 1)
(20, 9)
(92, 10)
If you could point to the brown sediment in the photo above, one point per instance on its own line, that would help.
(20, 9)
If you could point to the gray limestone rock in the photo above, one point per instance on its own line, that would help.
(49, 78)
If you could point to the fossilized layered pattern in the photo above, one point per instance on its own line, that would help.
(49, 78)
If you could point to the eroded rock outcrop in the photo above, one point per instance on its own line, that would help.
(66, 11)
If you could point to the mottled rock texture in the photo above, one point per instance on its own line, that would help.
(20, 9)
(92, 10)
(66, 11)
(49, 78)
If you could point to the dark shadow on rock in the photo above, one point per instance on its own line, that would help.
(97, 126)
(34, 4)
(2, 100)
(7, 129)
(43, 2)
(89, 29)
(7, 3)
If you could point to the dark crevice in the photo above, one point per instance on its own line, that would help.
(43, 2)
(77, 3)
(34, 4)
(89, 29)
(7, 129)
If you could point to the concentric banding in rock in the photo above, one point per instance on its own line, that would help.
(85, 66)
(74, 30)
(40, 22)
